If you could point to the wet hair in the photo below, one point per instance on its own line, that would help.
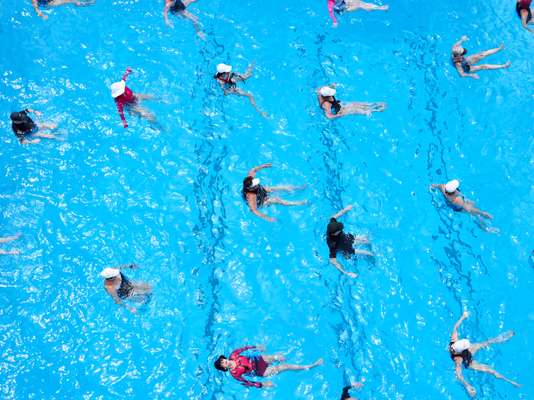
(218, 365)
(247, 182)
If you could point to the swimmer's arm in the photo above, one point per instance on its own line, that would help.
(253, 171)
(126, 73)
(459, 42)
(454, 334)
(342, 212)
(37, 10)
(458, 371)
(120, 109)
(30, 110)
(336, 264)
(166, 9)
(331, 12)
(256, 212)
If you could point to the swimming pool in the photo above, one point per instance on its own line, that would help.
(170, 200)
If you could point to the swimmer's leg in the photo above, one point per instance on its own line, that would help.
(367, 7)
(363, 253)
(503, 337)
(142, 96)
(45, 135)
(77, 2)
(363, 239)
(485, 368)
(252, 101)
(47, 126)
(277, 369)
(9, 252)
(482, 67)
(187, 15)
(285, 188)
(362, 108)
(143, 113)
(277, 200)
(483, 54)
(9, 238)
(274, 358)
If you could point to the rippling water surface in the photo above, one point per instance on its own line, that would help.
(169, 200)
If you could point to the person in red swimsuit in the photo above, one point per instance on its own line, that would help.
(522, 7)
(257, 365)
(126, 99)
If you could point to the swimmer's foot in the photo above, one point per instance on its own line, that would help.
(507, 64)
(471, 390)
(316, 363)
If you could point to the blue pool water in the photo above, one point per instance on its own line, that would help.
(169, 200)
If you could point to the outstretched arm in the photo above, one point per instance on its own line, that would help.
(342, 212)
(459, 42)
(252, 205)
(336, 264)
(166, 8)
(454, 334)
(126, 73)
(120, 109)
(331, 12)
(253, 171)
(35, 4)
(470, 389)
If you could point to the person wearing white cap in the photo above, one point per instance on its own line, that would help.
(339, 6)
(257, 195)
(334, 108)
(228, 81)
(456, 200)
(465, 66)
(120, 288)
(178, 7)
(55, 3)
(462, 352)
(7, 239)
(126, 99)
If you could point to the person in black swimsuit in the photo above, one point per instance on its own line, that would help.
(345, 394)
(462, 352)
(178, 7)
(339, 241)
(228, 81)
(23, 127)
(55, 3)
(465, 66)
(257, 195)
(120, 288)
(333, 108)
(522, 7)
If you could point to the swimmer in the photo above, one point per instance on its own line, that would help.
(257, 195)
(178, 7)
(55, 3)
(456, 200)
(24, 127)
(524, 12)
(339, 241)
(120, 288)
(462, 352)
(339, 6)
(345, 394)
(334, 108)
(228, 81)
(126, 99)
(6, 240)
(259, 365)
(466, 65)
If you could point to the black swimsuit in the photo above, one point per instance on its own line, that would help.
(467, 357)
(335, 105)
(177, 7)
(261, 194)
(24, 126)
(340, 243)
(125, 289)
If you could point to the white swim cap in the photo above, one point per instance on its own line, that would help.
(255, 182)
(461, 345)
(118, 88)
(327, 91)
(108, 273)
(222, 68)
(451, 186)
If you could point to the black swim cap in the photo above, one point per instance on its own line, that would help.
(15, 116)
(334, 227)
(218, 365)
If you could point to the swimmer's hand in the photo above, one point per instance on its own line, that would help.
(474, 76)
(38, 113)
(43, 16)
(125, 126)
(465, 38)
(267, 384)
(270, 219)
(465, 314)
(352, 275)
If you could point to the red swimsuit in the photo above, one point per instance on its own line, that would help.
(254, 366)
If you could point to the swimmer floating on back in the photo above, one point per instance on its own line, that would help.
(24, 127)
(466, 65)
(339, 6)
(333, 108)
(120, 288)
(257, 195)
(345, 394)
(6, 240)
(524, 12)
(339, 241)
(228, 81)
(55, 3)
(178, 7)
(126, 99)
(462, 352)
(258, 365)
